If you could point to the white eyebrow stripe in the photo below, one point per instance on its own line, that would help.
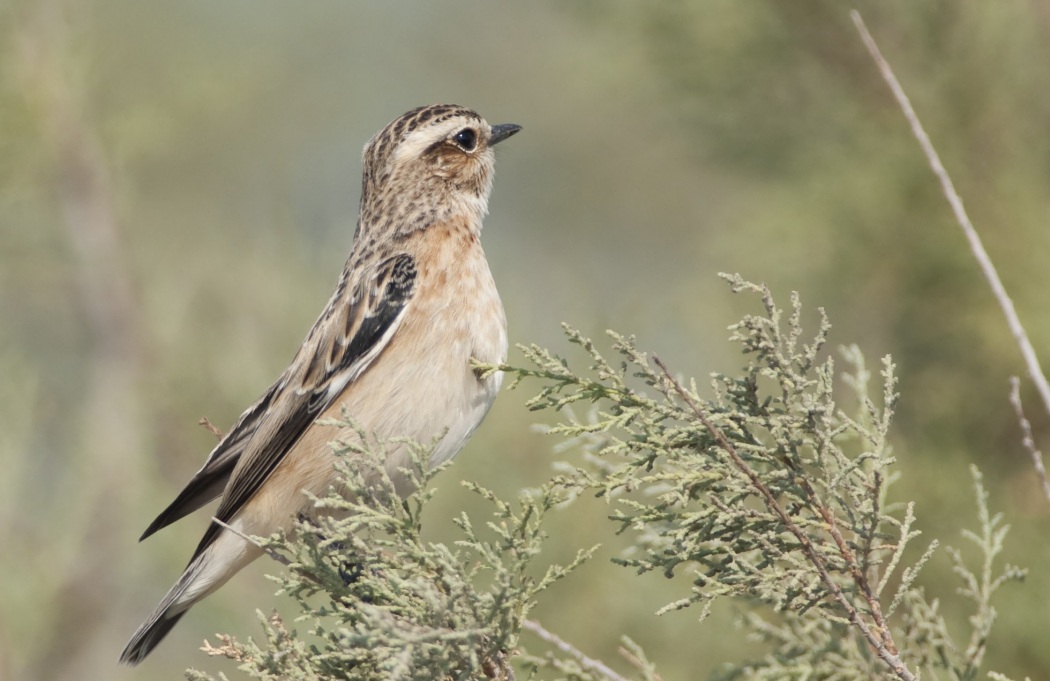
(418, 140)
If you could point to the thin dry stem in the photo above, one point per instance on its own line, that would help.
(589, 663)
(211, 427)
(251, 540)
(1035, 371)
(1026, 436)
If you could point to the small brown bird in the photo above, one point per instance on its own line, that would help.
(414, 307)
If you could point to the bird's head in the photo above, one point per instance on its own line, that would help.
(430, 163)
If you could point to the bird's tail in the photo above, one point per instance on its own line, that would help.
(208, 570)
(148, 636)
(171, 608)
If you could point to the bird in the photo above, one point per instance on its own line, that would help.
(395, 348)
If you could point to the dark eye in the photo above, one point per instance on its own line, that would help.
(466, 138)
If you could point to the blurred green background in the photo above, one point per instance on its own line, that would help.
(179, 186)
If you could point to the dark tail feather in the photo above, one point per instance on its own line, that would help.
(148, 636)
(167, 614)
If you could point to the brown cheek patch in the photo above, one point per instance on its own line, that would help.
(448, 161)
(460, 164)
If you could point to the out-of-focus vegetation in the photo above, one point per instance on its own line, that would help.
(178, 187)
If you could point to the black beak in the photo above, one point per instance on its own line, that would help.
(501, 132)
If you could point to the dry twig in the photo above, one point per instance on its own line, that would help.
(1031, 360)
(588, 663)
(1035, 371)
(1026, 436)
(251, 540)
(211, 427)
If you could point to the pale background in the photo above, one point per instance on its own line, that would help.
(178, 190)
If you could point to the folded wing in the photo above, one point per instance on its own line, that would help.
(354, 329)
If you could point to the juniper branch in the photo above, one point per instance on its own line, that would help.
(769, 493)
(882, 643)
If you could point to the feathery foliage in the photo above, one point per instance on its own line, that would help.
(771, 492)
(391, 605)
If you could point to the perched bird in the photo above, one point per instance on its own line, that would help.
(414, 307)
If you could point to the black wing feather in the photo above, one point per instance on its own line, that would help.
(211, 479)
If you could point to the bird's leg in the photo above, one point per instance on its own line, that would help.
(349, 569)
